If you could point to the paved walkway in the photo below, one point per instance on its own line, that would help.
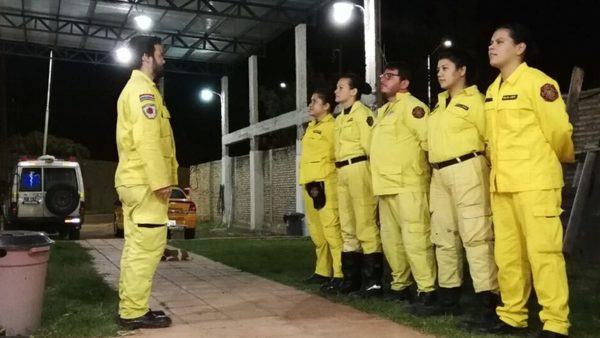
(208, 299)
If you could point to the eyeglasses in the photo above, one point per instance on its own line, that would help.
(388, 76)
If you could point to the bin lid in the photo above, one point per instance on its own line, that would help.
(16, 240)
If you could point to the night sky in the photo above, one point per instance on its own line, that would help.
(83, 103)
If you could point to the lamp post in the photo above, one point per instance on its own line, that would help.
(446, 44)
(342, 13)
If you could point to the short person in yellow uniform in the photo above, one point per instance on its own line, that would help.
(459, 194)
(319, 179)
(528, 135)
(362, 246)
(146, 172)
(400, 174)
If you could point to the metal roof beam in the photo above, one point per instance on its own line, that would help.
(103, 58)
(243, 9)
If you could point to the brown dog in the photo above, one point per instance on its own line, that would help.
(175, 255)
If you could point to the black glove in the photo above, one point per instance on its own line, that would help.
(316, 191)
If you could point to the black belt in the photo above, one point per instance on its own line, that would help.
(146, 225)
(356, 159)
(459, 159)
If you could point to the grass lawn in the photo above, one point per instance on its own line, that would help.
(288, 261)
(77, 302)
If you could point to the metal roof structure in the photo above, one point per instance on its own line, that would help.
(201, 36)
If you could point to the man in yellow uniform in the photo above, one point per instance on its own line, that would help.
(319, 179)
(401, 180)
(528, 135)
(362, 260)
(146, 172)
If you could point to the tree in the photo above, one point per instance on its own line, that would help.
(32, 145)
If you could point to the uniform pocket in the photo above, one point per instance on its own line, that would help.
(544, 234)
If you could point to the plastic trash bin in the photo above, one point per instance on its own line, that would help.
(23, 264)
(294, 223)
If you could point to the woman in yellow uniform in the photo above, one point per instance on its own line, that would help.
(318, 176)
(362, 252)
(459, 194)
(528, 135)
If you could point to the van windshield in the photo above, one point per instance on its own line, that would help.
(54, 176)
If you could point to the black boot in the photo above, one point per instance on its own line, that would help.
(485, 309)
(316, 279)
(333, 284)
(372, 272)
(351, 270)
(447, 303)
(425, 303)
(550, 334)
(404, 295)
(496, 326)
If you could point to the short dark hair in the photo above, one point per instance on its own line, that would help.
(325, 95)
(357, 82)
(460, 58)
(140, 45)
(403, 69)
(520, 33)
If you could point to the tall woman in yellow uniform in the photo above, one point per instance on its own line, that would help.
(362, 253)
(318, 176)
(528, 134)
(459, 194)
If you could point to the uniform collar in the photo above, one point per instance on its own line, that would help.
(400, 96)
(352, 108)
(326, 118)
(468, 91)
(139, 75)
(516, 74)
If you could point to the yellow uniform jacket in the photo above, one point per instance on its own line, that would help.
(457, 128)
(317, 160)
(144, 136)
(399, 145)
(353, 132)
(528, 132)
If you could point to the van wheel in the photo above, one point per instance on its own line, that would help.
(189, 233)
(62, 199)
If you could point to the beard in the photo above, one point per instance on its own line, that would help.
(158, 70)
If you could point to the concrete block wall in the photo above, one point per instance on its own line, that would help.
(241, 190)
(586, 125)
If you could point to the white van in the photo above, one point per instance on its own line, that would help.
(46, 194)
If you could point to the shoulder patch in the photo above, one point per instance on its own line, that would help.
(548, 92)
(146, 97)
(460, 105)
(418, 112)
(149, 110)
(489, 99)
(370, 121)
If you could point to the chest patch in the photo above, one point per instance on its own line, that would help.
(418, 112)
(146, 97)
(459, 105)
(509, 97)
(548, 92)
(149, 111)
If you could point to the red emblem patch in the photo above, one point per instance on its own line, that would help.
(418, 112)
(149, 111)
(548, 92)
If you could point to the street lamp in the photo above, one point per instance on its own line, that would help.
(446, 44)
(342, 11)
(282, 85)
(207, 95)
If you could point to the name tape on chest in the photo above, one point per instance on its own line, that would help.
(510, 97)
(460, 105)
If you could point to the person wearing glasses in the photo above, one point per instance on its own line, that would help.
(400, 174)
(459, 194)
(528, 135)
(362, 253)
(318, 176)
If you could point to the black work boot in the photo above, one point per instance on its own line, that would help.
(485, 309)
(333, 284)
(351, 270)
(316, 279)
(447, 304)
(496, 326)
(425, 303)
(404, 295)
(151, 320)
(550, 334)
(372, 272)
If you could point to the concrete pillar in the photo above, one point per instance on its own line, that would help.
(257, 190)
(373, 58)
(226, 168)
(301, 100)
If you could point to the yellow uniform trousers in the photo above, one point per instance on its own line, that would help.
(144, 245)
(324, 228)
(529, 247)
(405, 235)
(357, 209)
(460, 216)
